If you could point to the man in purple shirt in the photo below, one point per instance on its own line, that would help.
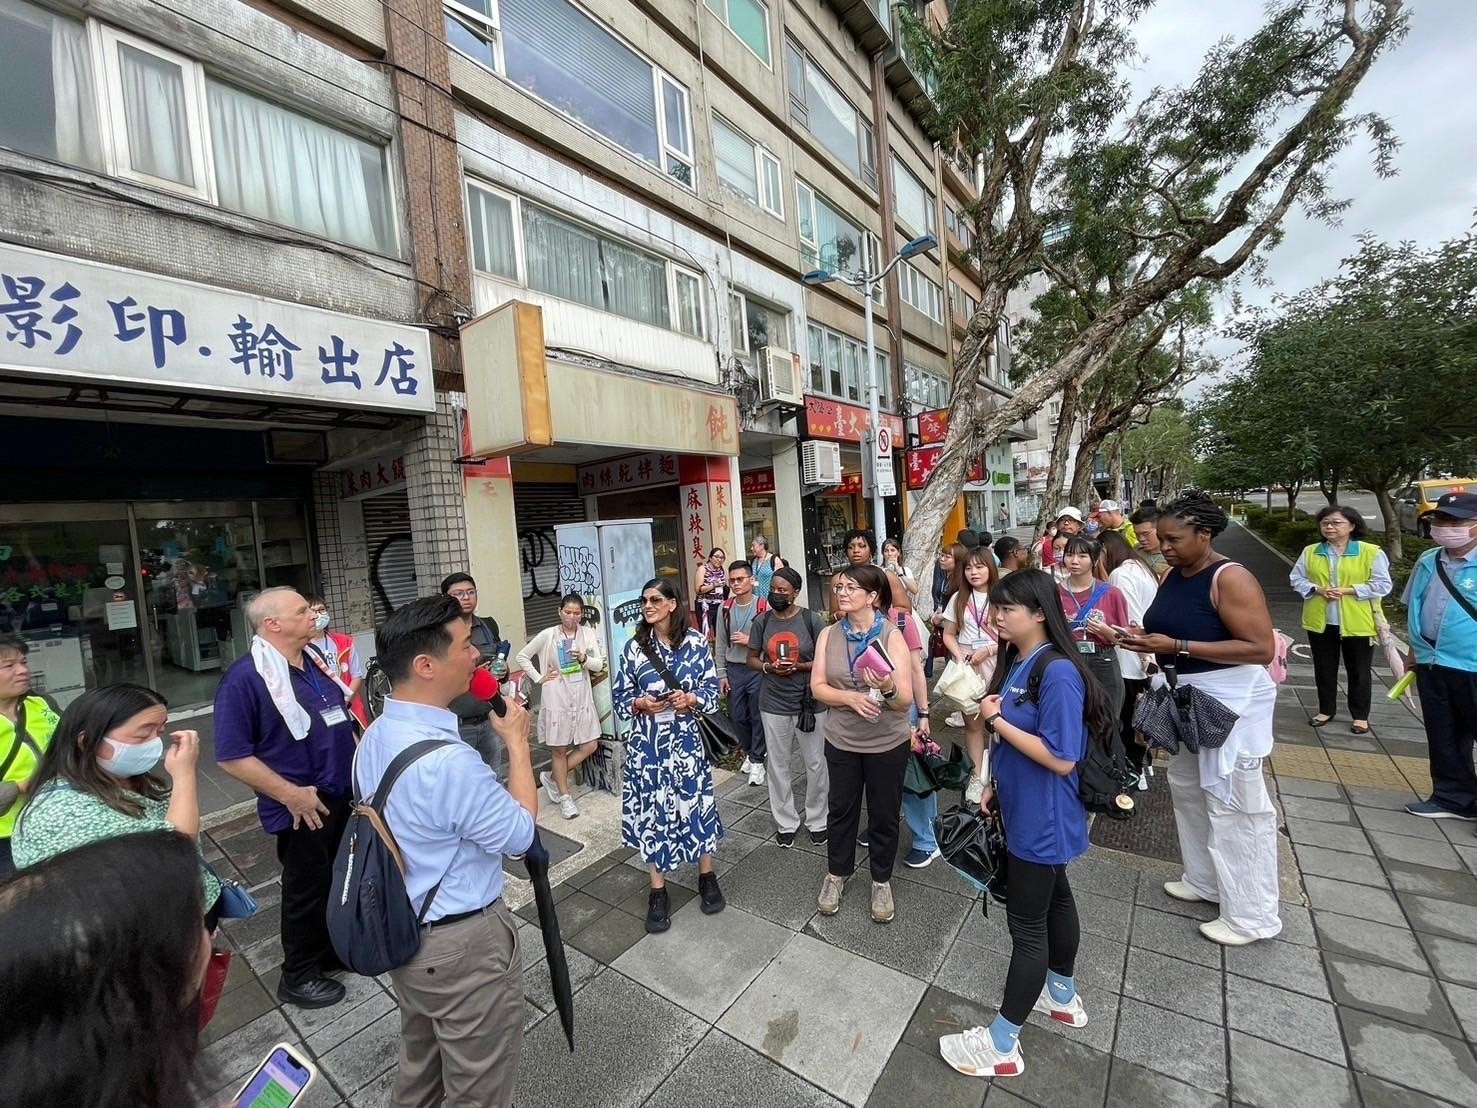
(282, 726)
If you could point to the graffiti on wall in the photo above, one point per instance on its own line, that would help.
(538, 562)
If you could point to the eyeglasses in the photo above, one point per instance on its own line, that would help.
(739, 580)
(652, 601)
(462, 594)
(847, 590)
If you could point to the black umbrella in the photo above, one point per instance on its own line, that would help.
(1175, 714)
(536, 860)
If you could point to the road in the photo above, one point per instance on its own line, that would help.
(1362, 502)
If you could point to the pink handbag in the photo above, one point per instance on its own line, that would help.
(1277, 667)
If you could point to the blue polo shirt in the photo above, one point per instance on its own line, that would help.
(248, 724)
(1045, 821)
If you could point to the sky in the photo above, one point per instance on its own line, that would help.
(1424, 87)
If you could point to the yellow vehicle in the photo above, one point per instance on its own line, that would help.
(1419, 497)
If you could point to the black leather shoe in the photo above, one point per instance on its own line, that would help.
(658, 912)
(316, 992)
(711, 894)
(819, 837)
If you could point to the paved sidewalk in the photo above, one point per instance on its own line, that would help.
(1369, 996)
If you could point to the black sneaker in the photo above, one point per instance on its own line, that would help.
(315, 992)
(658, 912)
(786, 839)
(711, 894)
(864, 839)
(819, 837)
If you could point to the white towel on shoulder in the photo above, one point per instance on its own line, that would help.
(272, 666)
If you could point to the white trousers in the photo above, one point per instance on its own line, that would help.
(1229, 849)
(782, 738)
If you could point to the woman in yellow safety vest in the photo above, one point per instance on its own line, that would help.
(1341, 580)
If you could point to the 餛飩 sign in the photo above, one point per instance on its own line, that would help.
(69, 317)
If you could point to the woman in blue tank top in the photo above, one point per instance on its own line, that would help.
(1210, 623)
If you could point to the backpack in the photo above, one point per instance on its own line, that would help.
(373, 927)
(1104, 777)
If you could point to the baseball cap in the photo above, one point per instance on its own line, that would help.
(1461, 505)
(1069, 512)
(1109, 506)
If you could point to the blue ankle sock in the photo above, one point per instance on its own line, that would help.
(1063, 989)
(1004, 1034)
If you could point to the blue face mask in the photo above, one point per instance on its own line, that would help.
(131, 759)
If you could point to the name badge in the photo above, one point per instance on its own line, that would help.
(334, 716)
(668, 716)
(1087, 648)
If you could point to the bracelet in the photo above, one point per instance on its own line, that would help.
(923, 713)
(765, 667)
(991, 721)
(1184, 648)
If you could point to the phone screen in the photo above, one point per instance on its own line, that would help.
(277, 1084)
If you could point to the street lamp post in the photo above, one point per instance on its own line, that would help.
(867, 284)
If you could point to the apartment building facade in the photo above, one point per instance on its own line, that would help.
(348, 295)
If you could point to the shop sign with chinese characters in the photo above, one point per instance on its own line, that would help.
(831, 419)
(69, 317)
(633, 471)
(371, 476)
(921, 465)
(756, 482)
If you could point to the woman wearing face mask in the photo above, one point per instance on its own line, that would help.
(339, 651)
(562, 659)
(971, 640)
(94, 782)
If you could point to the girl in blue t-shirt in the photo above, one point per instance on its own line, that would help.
(1038, 739)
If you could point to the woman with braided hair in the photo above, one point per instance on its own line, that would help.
(1209, 623)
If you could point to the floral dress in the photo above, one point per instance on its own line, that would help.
(715, 578)
(668, 811)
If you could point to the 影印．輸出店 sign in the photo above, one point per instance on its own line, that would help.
(70, 317)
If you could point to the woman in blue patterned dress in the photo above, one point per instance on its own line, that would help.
(668, 811)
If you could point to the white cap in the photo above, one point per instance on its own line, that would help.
(1070, 512)
(1110, 506)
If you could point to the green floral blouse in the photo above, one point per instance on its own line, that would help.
(60, 818)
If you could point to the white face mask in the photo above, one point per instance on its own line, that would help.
(320, 621)
(1451, 536)
(131, 759)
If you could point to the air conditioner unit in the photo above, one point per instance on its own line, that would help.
(820, 462)
(780, 379)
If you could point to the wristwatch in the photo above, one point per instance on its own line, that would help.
(990, 722)
(923, 713)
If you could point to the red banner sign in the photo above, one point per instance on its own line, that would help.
(840, 422)
(921, 465)
(755, 482)
(851, 485)
(933, 426)
(633, 471)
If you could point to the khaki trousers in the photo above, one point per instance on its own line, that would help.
(461, 1015)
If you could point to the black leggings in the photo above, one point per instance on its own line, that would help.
(880, 778)
(1137, 753)
(1358, 655)
(1042, 917)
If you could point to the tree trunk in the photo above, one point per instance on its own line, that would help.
(1292, 489)
(1056, 469)
(1082, 492)
(1115, 467)
(1394, 539)
(1328, 485)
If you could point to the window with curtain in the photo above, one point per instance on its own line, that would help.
(278, 165)
(155, 115)
(46, 86)
(833, 120)
(840, 240)
(914, 202)
(689, 302)
(851, 362)
(490, 225)
(569, 261)
(737, 169)
(815, 349)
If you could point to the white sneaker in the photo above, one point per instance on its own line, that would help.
(1181, 890)
(1219, 931)
(955, 720)
(973, 791)
(973, 1052)
(747, 766)
(567, 807)
(756, 773)
(550, 789)
(1071, 1013)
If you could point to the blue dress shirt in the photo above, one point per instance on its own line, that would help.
(452, 819)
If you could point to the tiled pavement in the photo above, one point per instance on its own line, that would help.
(1368, 997)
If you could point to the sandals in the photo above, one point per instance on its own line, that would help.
(1316, 722)
(1358, 729)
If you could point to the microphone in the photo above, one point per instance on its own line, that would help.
(484, 686)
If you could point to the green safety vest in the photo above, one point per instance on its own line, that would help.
(1356, 617)
(23, 756)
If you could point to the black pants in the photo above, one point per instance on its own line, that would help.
(880, 778)
(1449, 705)
(307, 876)
(1044, 933)
(7, 864)
(1103, 665)
(1358, 655)
(1137, 753)
(743, 708)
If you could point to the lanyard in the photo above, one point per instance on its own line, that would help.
(1082, 611)
(1024, 665)
(862, 639)
(978, 615)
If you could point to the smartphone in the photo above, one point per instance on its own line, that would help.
(783, 650)
(279, 1082)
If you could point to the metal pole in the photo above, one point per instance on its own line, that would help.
(879, 518)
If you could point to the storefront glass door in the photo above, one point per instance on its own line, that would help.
(153, 593)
